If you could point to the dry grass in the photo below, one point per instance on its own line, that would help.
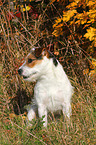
(15, 93)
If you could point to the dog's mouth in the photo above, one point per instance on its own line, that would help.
(26, 77)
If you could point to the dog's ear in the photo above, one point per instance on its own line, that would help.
(44, 52)
(39, 52)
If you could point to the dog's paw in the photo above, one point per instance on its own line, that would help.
(31, 114)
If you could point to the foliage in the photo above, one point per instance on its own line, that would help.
(28, 23)
(78, 14)
(91, 34)
(16, 129)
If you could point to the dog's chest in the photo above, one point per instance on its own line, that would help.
(49, 95)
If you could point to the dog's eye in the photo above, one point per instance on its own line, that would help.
(29, 60)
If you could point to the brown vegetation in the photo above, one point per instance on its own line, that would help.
(67, 28)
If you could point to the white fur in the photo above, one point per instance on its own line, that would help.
(53, 90)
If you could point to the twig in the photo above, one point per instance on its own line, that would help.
(29, 133)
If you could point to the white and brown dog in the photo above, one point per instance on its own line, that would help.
(53, 90)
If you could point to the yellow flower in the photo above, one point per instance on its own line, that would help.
(91, 33)
(57, 22)
(69, 14)
(27, 8)
(71, 5)
(85, 71)
(94, 63)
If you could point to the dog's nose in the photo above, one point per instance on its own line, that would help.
(20, 71)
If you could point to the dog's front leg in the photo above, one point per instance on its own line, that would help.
(31, 112)
(43, 112)
(67, 110)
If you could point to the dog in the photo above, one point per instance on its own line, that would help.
(53, 90)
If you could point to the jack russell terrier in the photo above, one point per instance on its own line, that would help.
(53, 90)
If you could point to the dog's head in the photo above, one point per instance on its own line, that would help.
(35, 64)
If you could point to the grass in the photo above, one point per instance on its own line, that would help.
(15, 129)
(15, 93)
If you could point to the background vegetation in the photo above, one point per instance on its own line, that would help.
(68, 29)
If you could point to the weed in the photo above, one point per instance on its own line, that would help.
(16, 42)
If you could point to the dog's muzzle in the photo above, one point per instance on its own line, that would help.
(20, 71)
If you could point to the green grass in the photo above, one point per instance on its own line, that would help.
(15, 129)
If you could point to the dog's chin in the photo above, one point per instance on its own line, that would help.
(25, 77)
(30, 78)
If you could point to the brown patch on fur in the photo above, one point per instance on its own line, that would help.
(31, 56)
(40, 52)
(48, 55)
(45, 52)
(36, 56)
(34, 61)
